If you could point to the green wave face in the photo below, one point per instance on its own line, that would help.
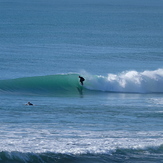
(51, 84)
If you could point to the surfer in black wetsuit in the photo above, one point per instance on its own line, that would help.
(81, 80)
(29, 103)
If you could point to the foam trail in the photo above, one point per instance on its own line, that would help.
(128, 82)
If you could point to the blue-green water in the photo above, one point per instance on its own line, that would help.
(116, 46)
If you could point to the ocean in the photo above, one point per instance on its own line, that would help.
(116, 116)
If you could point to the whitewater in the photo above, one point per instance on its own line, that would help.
(129, 82)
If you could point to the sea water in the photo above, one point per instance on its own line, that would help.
(117, 116)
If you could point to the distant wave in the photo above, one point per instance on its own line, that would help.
(125, 82)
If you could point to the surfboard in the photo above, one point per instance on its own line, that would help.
(80, 89)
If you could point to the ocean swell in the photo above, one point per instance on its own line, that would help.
(51, 84)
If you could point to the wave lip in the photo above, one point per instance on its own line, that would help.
(128, 82)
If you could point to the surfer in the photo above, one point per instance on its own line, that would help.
(29, 103)
(81, 80)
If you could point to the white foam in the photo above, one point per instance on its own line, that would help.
(129, 81)
(76, 141)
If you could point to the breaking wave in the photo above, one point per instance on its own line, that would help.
(149, 154)
(128, 82)
(125, 82)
